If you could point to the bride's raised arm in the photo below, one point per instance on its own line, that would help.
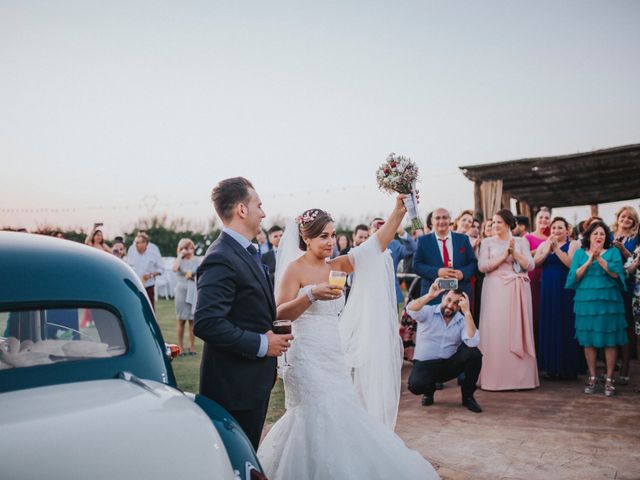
(387, 232)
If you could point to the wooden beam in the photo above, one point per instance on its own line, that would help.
(477, 201)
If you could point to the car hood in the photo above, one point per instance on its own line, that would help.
(108, 429)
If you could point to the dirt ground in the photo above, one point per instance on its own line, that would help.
(551, 433)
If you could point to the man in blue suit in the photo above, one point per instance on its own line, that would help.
(444, 254)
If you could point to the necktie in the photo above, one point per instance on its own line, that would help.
(445, 253)
(255, 255)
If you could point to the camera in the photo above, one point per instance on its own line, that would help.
(447, 283)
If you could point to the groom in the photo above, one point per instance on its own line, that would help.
(235, 311)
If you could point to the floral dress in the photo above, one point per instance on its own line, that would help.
(633, 280)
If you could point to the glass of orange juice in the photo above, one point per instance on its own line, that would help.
(337, 278)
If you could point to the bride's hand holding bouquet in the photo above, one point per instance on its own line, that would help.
(399, 174)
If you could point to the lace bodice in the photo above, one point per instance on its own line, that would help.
(315, 355)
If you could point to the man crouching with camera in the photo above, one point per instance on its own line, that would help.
(446, 345)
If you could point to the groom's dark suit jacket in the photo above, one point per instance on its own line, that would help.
(235, 304)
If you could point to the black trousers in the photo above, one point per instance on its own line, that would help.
(252, 422)
(425, 374)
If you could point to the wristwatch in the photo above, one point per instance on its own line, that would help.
(310, 295)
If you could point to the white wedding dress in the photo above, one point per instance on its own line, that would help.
(326, 433)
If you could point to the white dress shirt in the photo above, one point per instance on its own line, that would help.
(148, 262)
(449, 243)
(437, 340)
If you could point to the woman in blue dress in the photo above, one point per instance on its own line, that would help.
(624, 233)
(558, 352)
(597, 277)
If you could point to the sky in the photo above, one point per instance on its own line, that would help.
(113, 111)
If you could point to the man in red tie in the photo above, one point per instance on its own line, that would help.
(444, 254)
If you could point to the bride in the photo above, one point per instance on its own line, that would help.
(336, 426)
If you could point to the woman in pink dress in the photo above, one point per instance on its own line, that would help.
(509, 357)
(535, 239)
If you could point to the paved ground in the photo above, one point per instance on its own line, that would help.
(551, 433)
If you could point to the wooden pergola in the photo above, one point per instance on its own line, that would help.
(600, 176)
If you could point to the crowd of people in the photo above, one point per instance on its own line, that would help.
(546, 302)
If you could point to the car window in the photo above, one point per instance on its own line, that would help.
(52, 335)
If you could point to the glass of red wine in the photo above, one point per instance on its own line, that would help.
(283, 327)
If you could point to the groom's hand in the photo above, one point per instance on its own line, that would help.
(278, 344)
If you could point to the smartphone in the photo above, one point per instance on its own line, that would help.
(447, 283)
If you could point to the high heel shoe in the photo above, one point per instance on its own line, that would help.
(609, 388)
(590, 386)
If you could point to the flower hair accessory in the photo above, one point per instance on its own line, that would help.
(308, 216)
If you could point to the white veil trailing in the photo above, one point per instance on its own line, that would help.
(288, 251)
(370, 334)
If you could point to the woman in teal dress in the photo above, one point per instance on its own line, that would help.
(597, 276)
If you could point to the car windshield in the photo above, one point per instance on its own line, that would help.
(52, 335)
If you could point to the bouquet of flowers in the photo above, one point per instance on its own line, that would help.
(399, 174)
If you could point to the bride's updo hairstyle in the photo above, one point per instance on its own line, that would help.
(311, 223)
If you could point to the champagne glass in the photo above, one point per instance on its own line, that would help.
(337, 278)
(283, 327)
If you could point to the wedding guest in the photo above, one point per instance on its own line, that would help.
(522, 226)
(597, 277)
(463, 221)
(473, 233)
(535, 239)
(632, 271)
(269, 259)
(476, 280)
(509, 357)
(343, 245)
(428, 224)
(146, 263)
(185, 266)
(261, 242)
(444, 254)
(582, 226)
(118, 248)
(446, 345)
(95, 239)
(152, 247)
(558, 352)
(360, 234)
(624, 233)
(486, 229)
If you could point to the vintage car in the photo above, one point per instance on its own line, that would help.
(86, 385)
